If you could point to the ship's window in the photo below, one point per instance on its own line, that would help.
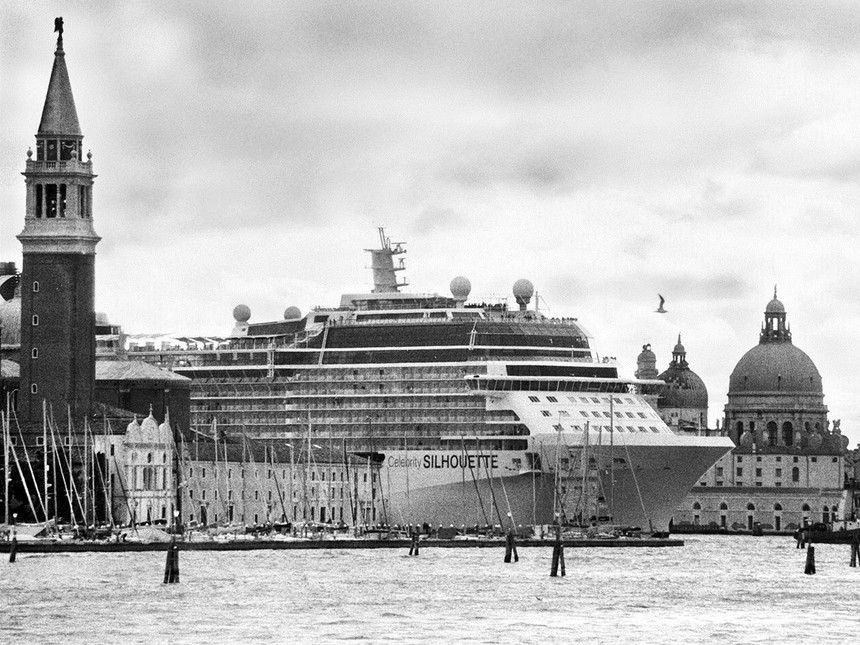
(617, 400)
(642, 415)
(35, 352)
(558, 427)
(552, 399)
(643, 429)
(595, 400)
(35, 320)
(606, 414)
(631, 429)
(583, 413)
(35, 286)
(631, 415)
(534, 399)
(618, 415)
(654, 429)
(595, 413)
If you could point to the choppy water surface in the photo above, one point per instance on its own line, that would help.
(715, 589)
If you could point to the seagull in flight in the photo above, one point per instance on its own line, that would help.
(660, 309)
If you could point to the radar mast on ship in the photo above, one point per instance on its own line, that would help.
(382, 264)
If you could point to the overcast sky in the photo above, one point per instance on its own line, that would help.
(606, 151)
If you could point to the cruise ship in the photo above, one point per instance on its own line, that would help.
(475, 412)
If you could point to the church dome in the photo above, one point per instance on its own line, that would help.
(775, 367)
(775, 364)
(684, 388)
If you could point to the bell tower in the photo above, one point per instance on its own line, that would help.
(58, 274)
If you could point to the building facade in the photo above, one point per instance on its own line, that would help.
(788, 466)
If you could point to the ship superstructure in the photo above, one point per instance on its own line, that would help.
(476, 412)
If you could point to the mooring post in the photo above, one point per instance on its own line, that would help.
(855, 549)
(557, 553)
(413, 549)
(810, 561)
(171, 567)
(13, 548)
(511, 547)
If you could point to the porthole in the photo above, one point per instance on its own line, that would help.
(34, 388)
(35, 352)
(35, 320)
(35, 286)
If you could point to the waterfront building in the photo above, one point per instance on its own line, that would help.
(788, 464)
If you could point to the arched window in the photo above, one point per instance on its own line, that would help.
(750, 506)
(149, 458)
(740, 429)
(724, 506)
(805, 508)
(777, 507)
(825, 514)
(697, 506)
(752, 426)
(770, 433)
(788, 433)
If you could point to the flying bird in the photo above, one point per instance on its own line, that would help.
(660, 309)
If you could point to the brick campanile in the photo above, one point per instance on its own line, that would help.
(58, 274)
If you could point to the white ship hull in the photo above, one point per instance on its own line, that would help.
(650, 477)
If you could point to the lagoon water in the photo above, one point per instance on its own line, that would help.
(714, 589)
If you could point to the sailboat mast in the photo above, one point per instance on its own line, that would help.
(45, 459)
(6, 463)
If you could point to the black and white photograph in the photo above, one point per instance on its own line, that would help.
(449, 322)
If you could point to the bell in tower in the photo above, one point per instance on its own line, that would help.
(59, 245)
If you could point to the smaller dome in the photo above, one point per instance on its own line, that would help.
(775, 306)
(523, 291)
(292, 313)
(241, 313)
(646, 353)
(461, 287)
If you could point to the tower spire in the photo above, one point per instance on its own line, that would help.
(59, 115)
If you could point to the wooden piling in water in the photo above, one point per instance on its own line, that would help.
(855, 550)
(557, 555)
(511, 547)
(171, 567)
(810, 561)
(413, 548)
(13, 549)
